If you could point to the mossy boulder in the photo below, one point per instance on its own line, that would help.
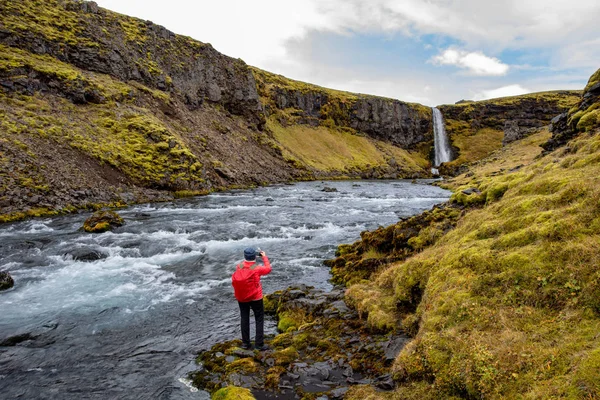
(103, 221)
(233, 393)
(6, 281)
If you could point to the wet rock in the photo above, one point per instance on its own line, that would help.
(339, 393)
(470, 191)
(103, 221)
(296, 294)
(6, 281)
(244, 381)
(241, 353)
(385, 382)
(310, 305)
(14, 340)
(270, 199)
(348, 372)
(87, 255)
(337, 308)
(328, 189)
(392, 348)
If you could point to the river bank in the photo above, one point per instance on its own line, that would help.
(123, 314)
(327, 341)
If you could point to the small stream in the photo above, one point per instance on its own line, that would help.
(123, 314)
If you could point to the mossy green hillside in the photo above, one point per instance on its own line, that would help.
(49, 19)
(509, 298)
(324, 149)
(268, 81)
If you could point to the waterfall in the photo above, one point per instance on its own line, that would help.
(440, 141)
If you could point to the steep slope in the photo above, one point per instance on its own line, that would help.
(103, 109)
(505, 305)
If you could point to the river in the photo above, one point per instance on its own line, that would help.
(122, 315)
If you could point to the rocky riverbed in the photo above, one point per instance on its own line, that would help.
(322, 349)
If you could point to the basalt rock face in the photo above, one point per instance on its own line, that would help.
(517, 118)
(402, 124)
(98, 40)
(585, 116)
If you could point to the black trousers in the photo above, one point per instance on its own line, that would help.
(259, 317)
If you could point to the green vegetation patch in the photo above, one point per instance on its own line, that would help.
(13, 61)
(325, 149)
(49, 19)
(232, 393)
(508, 304)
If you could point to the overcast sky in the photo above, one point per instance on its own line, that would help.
(427, 51)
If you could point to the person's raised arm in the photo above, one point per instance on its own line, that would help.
(264, 269)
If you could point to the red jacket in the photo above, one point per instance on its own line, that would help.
(259, 271)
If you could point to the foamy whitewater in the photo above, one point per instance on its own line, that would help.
(128, 323)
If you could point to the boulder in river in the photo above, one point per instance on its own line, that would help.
(6, 281)
(103, 221)
(328, 189)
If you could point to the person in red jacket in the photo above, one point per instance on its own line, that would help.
(248, 292)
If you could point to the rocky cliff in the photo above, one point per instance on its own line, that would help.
(478, 128)
(94, 39)
(582, 117)
(402, 124)
(103, 109)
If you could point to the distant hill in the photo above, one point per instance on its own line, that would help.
(99, 109)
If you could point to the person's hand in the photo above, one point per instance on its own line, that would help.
(262, 253)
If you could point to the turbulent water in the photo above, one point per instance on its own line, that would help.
(441, 145)
(128, 322)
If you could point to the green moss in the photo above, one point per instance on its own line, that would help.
(588, 120)
(232, 393)
(49, 19)
(243, 366)
(273, 376)
(586, 383)
(290, 320)
(595, 78)
(135, 30)
(286, 356)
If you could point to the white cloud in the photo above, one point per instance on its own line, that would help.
(268, 33)
(504, 91)
(476, 62)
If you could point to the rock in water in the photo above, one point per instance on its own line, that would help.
(6, 281)
(103, 221)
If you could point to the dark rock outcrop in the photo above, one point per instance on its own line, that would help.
(132, 49)
(6, 281)
(394, 121)
(585, 116)
(517, 117)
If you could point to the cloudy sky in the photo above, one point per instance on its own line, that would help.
(427, 51)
